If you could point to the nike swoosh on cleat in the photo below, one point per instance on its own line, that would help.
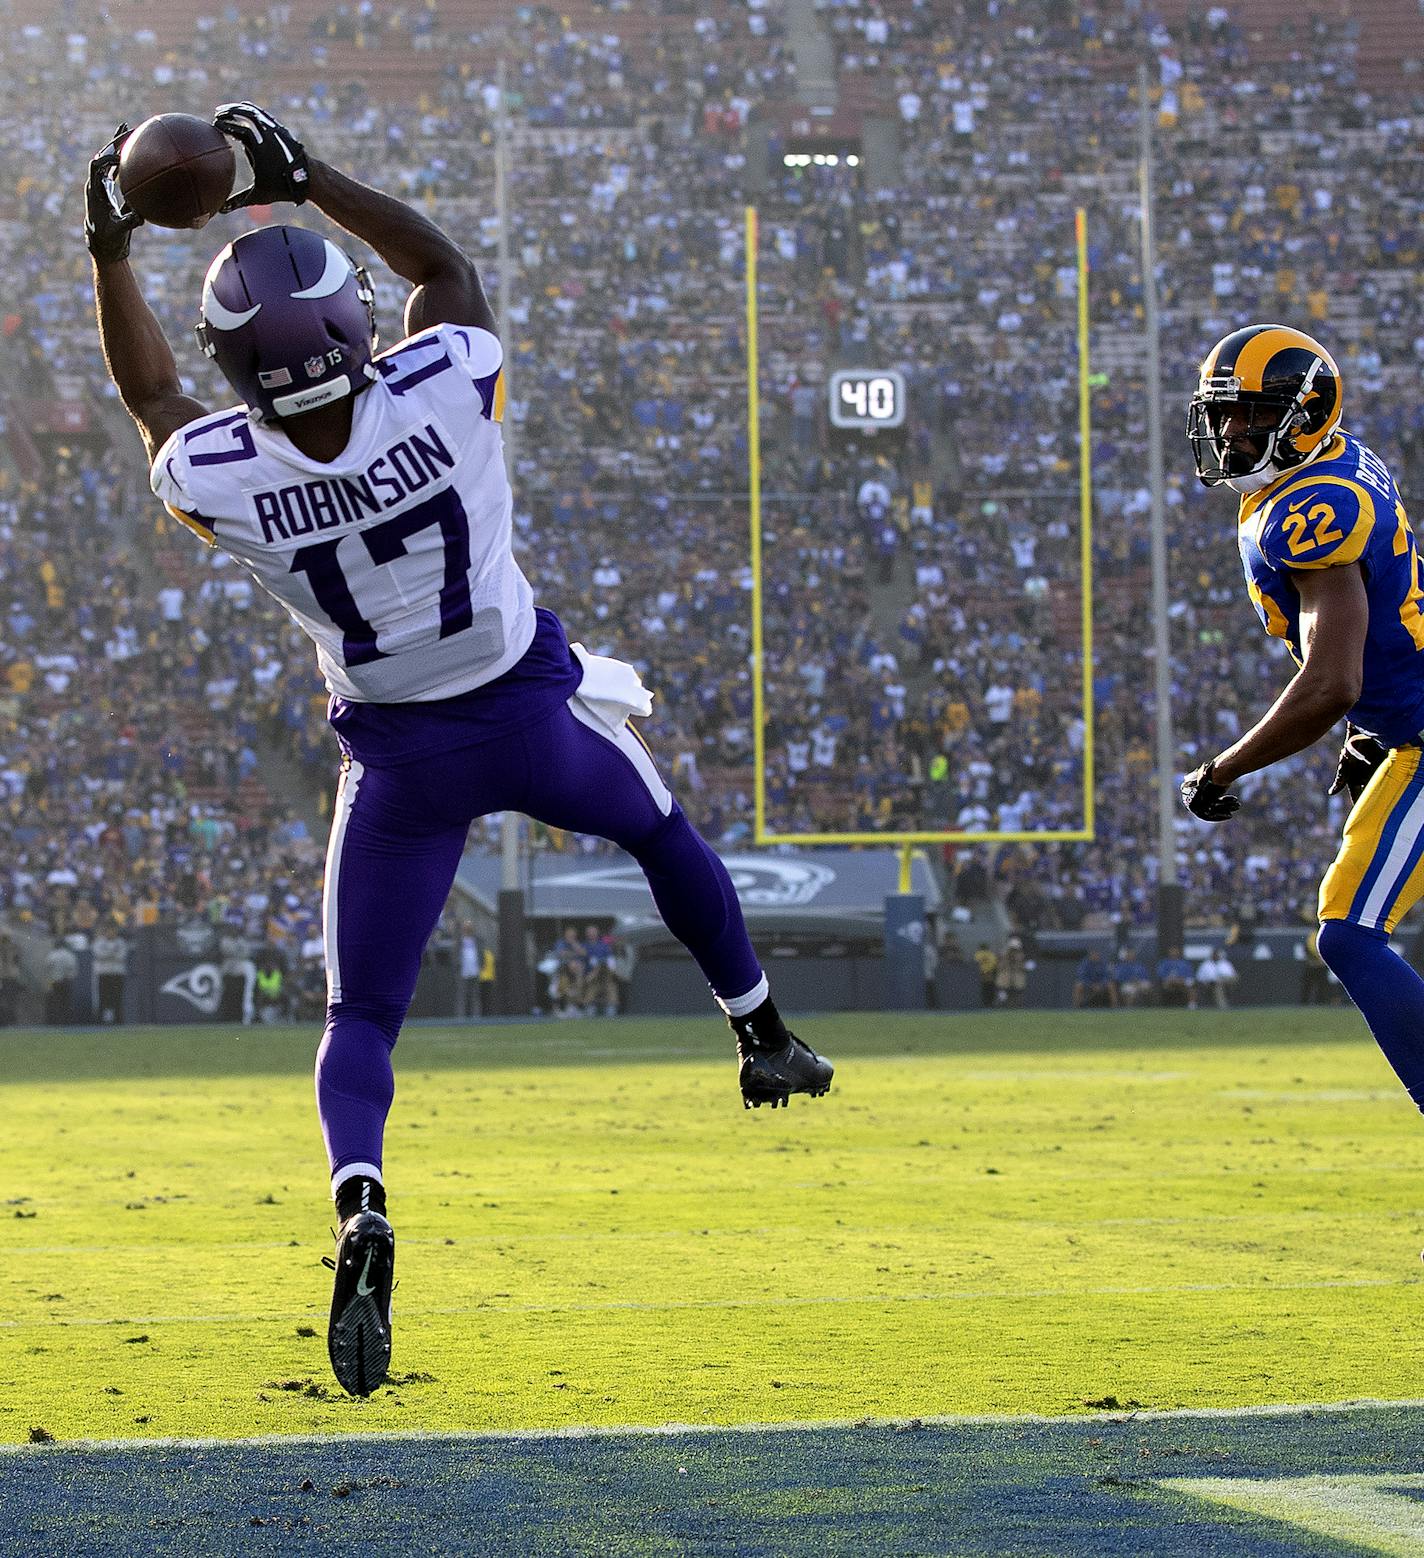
(362, 1286)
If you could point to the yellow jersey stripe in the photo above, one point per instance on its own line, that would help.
(1251, 502)
(195, 525)
(1276, 624)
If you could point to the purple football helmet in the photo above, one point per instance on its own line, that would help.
(290, 320)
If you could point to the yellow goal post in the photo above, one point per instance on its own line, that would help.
(764, 835)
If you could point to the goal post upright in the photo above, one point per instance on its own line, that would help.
(1085, 511)
(904, 839)
(754, 516)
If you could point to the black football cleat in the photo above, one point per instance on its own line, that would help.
(358, 1338)
(772, 1063)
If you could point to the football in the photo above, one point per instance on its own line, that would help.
(176, 170)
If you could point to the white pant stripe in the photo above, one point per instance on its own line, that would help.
(1390, 882)
(631, 748)
(345, 800)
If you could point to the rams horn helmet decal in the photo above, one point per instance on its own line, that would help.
(1268, 399)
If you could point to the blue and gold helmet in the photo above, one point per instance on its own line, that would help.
(1280, 391)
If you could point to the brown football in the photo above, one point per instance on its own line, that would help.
(176, 170)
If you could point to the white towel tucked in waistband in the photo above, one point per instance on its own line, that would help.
(611, 689)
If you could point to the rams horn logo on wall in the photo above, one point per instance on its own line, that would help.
(200, 986)
(315, 366)
(765, 883)
(777, 883)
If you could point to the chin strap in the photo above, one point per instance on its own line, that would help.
(1246, 485)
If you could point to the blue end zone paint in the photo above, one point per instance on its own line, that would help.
(1032, 1489)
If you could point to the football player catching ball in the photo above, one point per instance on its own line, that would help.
(367, 494)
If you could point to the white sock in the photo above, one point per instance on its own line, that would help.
(740, 1005)
(352, 1171)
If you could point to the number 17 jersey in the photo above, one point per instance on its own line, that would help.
(395, 558)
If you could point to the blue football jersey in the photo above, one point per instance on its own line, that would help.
(1345, 508)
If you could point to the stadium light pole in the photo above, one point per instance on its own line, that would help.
(1169, 889)
(512, 983)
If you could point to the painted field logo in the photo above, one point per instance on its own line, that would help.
(1380, 1513)
(200, 986)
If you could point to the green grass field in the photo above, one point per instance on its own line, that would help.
(1032, 1212)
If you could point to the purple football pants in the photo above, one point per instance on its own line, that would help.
(396, 839)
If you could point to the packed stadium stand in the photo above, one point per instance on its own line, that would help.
(160, 727)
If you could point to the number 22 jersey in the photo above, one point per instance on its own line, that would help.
(395, 558)
(1342, 508)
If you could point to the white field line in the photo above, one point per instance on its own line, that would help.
(1372, 1511)
(984, 1295)
(671, 1235)
(1281, 1409)
(495, 1051)
(1105, 1174)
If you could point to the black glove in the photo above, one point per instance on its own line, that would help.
(278, 158)
(1207, 799)
(108, 219)
(1359, 757)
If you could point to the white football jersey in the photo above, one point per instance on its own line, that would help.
(396, 557)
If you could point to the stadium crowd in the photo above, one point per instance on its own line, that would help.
(922, 598)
